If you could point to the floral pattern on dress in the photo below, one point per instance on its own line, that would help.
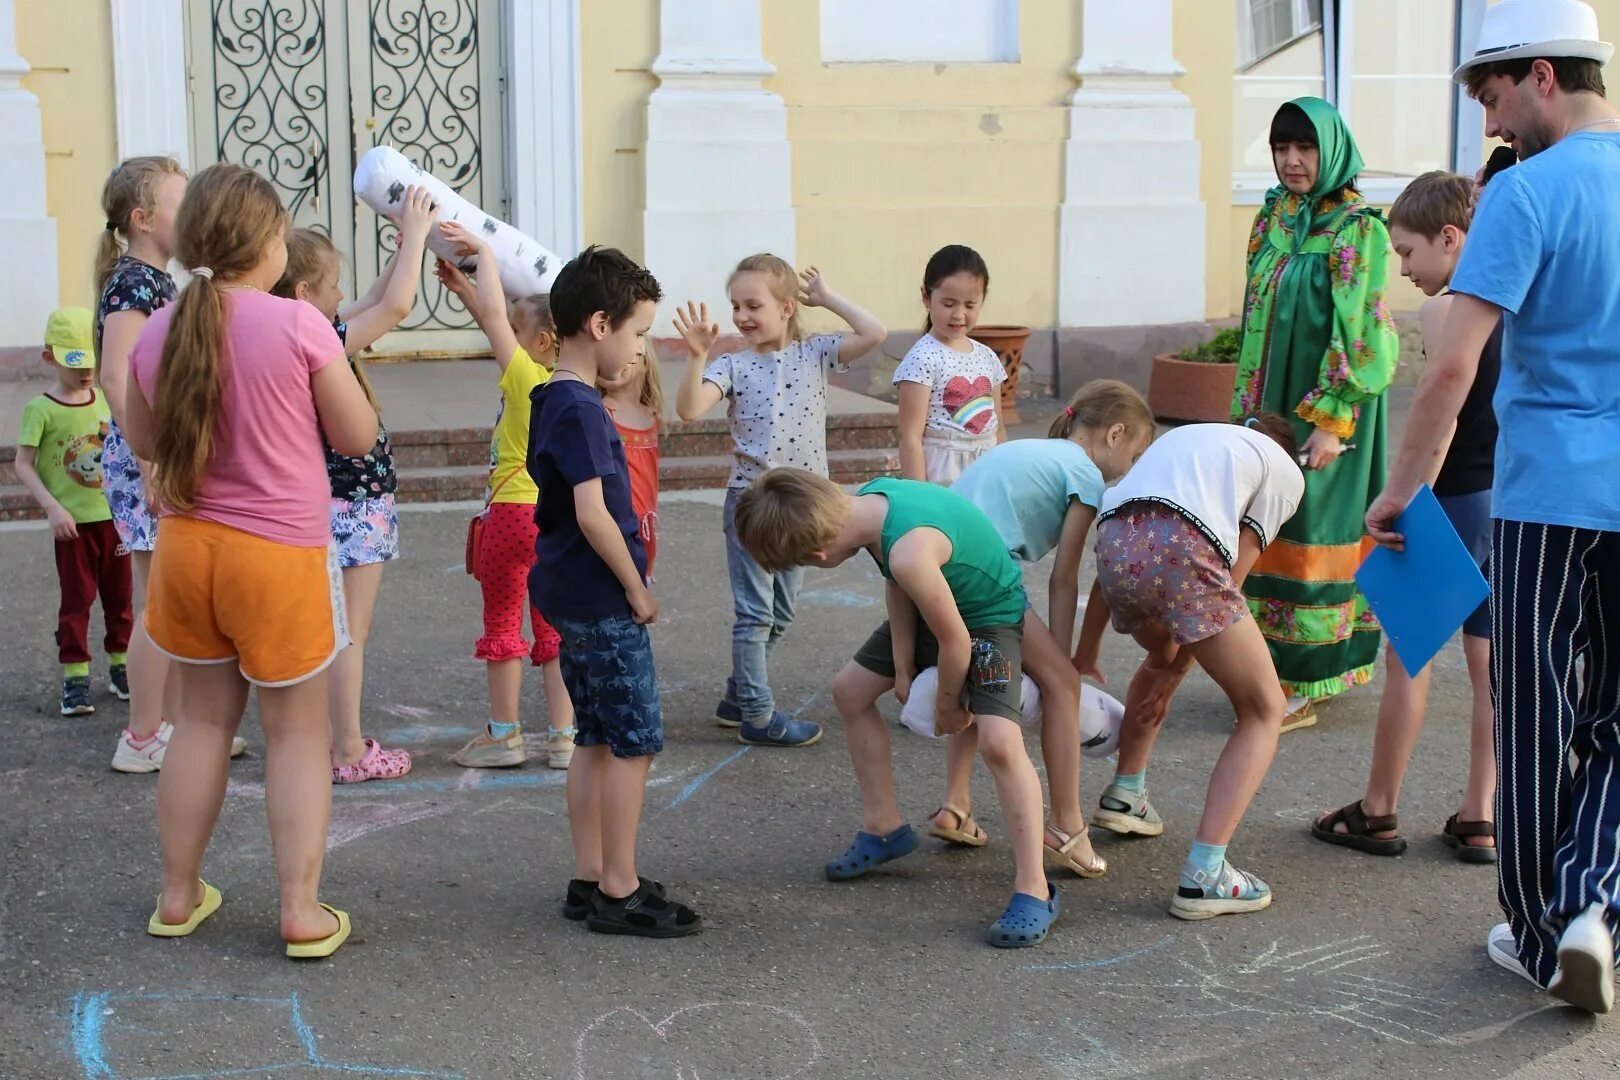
(1156, 568)
(126, 493)
(365, 531)
(132, 285)
(370, 476)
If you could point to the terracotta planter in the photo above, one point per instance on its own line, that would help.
(1008, 343)
(1190, 391)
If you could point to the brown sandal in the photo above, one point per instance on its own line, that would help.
(1454, 836)
(1358, 831)
(967, 832)
(1064, 856)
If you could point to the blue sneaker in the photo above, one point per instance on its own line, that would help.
(728, 714)
(780, 730)
(1026, 921)
(1202, 895)
(870, 851)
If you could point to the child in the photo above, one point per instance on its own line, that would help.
(365, 524)
(945, 563)
(635, 400)
(777, 387)
(590, 581)
(140, 200)
(235, 395)
(59, 462)
(950, 407)
(1041, 495)
(1177, 537)
(523, 345)
(1428, 225)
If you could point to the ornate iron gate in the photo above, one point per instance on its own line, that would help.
(298, 89)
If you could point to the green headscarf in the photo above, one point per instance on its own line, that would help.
(1340, 163)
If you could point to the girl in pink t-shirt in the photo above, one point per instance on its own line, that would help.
(233, 391)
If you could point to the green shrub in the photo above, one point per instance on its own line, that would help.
(1221, 349)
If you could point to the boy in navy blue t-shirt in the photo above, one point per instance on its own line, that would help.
(590, 584)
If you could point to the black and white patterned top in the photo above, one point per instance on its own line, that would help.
(778, 406)
(132, 286)
(361, 479)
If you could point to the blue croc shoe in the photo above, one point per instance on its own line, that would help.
(780, 730)
(868, 852)
(1026, 920)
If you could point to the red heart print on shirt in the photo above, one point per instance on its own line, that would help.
(969, 403)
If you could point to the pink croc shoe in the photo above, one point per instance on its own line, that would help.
(375, 764)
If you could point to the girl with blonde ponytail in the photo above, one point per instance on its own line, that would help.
(235, 394)
(139, 201)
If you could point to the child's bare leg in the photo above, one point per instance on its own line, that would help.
(1059, 685)
(191, 785)
(624, 782)
(1238, 661)
(1400, 721)
(855, 693)
(148, 668)
(960, 750)
(505, 687)
(585, 779)
(1001, 741)
(559, 706)
(1136, 739)
(1478, 803)
(298, 800)
(360, 587)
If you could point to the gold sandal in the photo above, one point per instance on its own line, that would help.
(1064, 856)
(967, 832)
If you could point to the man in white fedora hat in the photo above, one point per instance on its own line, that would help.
(1544, 256)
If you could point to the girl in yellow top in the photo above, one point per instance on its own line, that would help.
(506, 548)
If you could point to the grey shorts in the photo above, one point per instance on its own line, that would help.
(995, 667)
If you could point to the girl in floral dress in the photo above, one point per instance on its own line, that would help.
(1319, 347)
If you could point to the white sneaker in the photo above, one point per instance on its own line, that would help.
(1585, 976)
(129, 758)
(560, 748)
(1504, 952)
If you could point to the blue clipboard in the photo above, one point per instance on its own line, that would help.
(1422, 595)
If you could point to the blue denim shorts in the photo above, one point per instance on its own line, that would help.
(607, 666)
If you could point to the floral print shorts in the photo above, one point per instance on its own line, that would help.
(365, 531)
(1157, 568)
(126, 493)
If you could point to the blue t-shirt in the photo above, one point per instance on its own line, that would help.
(572, 441)
(1024, 488)
(1545, 248)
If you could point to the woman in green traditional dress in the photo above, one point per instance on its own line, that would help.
(1320, 347)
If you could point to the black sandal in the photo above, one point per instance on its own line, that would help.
(1358, 831)
(644, 913)
(577, 900)
(1455, 832)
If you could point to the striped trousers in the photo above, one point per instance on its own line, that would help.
(1555, 681)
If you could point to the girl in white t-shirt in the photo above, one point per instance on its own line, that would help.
(1175, 540)
(950, 399)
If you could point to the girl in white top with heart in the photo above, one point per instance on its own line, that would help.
(1175, 540)
(950, 399)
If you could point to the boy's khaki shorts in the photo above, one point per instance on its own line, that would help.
(219, 595)
(995, 678)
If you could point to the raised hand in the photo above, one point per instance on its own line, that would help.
(451, 277)
(416, 218)
(695, 329)
(815, 292)
(465, 241)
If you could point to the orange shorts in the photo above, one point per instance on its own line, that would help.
(218, 595)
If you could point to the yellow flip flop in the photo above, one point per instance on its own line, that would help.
(322, 947)
(210, 904)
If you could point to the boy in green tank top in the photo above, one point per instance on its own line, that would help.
(955, 600)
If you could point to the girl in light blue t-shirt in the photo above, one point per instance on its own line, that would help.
(1042, 495)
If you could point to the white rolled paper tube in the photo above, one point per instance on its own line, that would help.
(526, 266)
(917, 714)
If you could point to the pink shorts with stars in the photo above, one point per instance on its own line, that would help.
(1156, 567)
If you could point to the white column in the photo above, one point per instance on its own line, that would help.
(719, 166)
(1131, 227)
(149, 80)
(542, 92)
(27, 276)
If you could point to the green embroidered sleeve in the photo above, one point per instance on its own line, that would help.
(1364, 346)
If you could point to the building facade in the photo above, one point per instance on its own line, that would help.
(1106, 156)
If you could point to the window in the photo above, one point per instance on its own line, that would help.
(919, 31)
(1265, 26)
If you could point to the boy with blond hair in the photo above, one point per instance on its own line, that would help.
(955, 600)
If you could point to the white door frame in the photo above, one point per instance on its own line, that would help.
(544, 157)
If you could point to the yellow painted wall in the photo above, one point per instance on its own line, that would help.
(618, 44)
(1206, 45)
(68, 43)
